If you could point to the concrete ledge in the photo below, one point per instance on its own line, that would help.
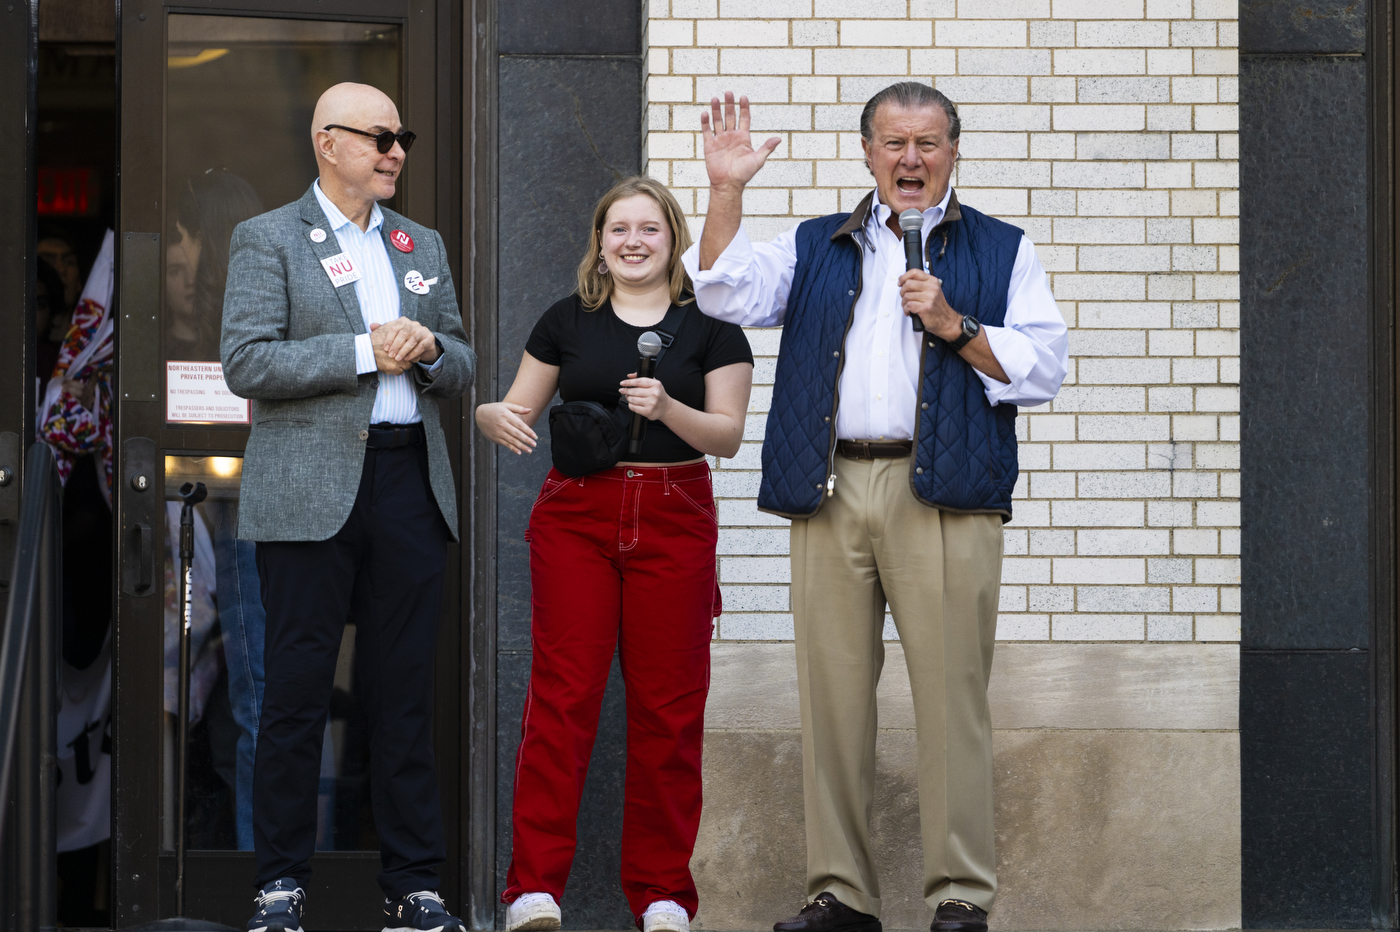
(1153, 686)
(1117, 830)
(1117, 789)
(1095, 830)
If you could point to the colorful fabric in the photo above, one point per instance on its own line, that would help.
(71, 428)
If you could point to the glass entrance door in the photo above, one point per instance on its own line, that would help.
(216, 128)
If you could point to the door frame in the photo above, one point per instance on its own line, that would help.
(19, 66)
(220, 883)
(479, 313)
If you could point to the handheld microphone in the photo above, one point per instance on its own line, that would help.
(649, 346)
(912, 223)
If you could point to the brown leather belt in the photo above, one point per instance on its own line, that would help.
(874, 449)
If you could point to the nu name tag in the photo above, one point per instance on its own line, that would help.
(341, 269)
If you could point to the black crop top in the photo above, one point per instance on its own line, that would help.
(595, 350)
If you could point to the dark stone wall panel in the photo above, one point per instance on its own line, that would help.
(512, 681)
(1305, 331)
(549, 27)
(593, 897)
(1305, 767)
(569, 129)
(1302, 26)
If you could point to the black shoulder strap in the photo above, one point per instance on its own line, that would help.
(670, 328)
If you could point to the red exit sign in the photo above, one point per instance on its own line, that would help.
(67, 192)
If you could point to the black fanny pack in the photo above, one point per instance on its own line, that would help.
(586, 436)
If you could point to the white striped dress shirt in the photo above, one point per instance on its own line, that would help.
(395, 402)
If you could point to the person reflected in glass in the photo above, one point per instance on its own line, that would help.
(207, 208)
(48, 301)
(196, 272)
(58, 253)
(622, 560)
(181, 261)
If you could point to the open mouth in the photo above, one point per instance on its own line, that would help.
(389, 174)
(634, 259)
(909, 185)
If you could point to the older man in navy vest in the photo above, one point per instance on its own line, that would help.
(893, 451)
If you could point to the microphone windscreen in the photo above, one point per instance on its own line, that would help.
(911, 219)
(649, 344)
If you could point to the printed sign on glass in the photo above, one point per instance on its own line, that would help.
(195, 393)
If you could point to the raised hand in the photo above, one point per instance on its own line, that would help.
(730, 158)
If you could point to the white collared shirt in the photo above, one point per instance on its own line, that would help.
(749, 286)
(396, 401)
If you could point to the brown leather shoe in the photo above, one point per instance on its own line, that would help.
(958, 916)
(828, 914)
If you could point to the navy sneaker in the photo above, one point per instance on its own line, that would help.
(279, 907)
(423, 911)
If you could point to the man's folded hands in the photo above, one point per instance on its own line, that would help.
(400, 343)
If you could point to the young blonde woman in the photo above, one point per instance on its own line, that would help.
(622, 559)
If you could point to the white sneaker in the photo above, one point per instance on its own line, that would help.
(533, 912)
(665, 916)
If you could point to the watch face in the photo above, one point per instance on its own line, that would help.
(971, 327)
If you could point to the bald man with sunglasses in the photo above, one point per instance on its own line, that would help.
(341, 325)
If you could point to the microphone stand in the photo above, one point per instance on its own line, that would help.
(191, 494)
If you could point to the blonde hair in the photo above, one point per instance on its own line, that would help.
(595, 288)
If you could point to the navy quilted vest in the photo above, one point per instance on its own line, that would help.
(964, 448)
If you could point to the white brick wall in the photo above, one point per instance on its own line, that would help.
(1106, 129)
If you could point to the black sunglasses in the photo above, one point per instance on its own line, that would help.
(382, 141)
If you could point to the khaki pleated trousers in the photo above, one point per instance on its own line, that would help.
(940, 572)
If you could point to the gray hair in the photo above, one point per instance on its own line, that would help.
(909, 94)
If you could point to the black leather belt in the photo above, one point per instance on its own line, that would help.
(874, 449)
(393, 436)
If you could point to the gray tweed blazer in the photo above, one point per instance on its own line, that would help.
(289, 344)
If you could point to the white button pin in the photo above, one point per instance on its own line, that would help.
(318, 235)
(341, 269)
(413, 281)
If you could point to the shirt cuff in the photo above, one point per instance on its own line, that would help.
(433, 370)
(1017, 358)
(364, 354)
(728, 268)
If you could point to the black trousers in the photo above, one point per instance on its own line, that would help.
(383, 572)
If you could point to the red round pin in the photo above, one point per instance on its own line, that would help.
(401, 240)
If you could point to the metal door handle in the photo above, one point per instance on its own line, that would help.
(140, 513)
(142, 552)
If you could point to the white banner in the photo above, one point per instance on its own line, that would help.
(85, 753)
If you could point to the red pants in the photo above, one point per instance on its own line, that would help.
(619, 560)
